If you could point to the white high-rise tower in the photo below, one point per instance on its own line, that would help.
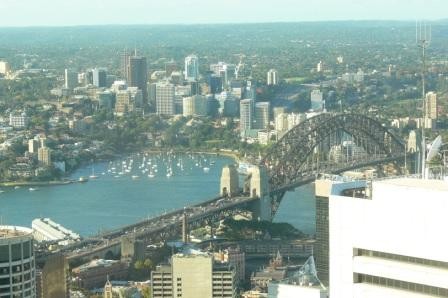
(191, 68)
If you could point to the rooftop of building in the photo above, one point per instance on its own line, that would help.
(430, 184)
(48, 224)
(13, 231)
(270, 273)
(191, 251)
(95, 264)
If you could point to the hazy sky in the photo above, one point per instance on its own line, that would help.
(90, 12)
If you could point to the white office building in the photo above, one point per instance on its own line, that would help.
(5, 68)
(19, 120)
(391, 242)
(195, 105)
(165, 93)
(431, 105)
(191, 68)
(70, 79)
(272, 77)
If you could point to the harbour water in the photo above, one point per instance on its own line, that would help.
(125, 192)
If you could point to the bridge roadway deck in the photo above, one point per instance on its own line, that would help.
(158, 225)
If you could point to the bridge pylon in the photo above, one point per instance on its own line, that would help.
(259, 188)
(229, 181)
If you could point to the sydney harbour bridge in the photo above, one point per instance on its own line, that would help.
(326, 143)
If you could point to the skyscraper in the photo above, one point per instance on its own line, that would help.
(191, 68)
(17, 269)
(70, 79)
(261, 115)
(320, 66)
(247, 109)
(272, 79)
(54, 278)
(431, 105)
(5, 68)
(373, 247)
(124, 64)
(138, 75)
(99, 77)
(165, 93)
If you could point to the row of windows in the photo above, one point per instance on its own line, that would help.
(401, 285)
(401, 258)
(18, 251)
(15, 279)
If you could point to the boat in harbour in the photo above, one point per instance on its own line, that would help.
(93, 176)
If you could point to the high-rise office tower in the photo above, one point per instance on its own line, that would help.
(99, 77)
(224, 70)
(431, 105)
(195, 105)
(191, 68)
(215, 83)
(17, 269)
(53, 281)
(247, 111)
(272, 79)
(261, 115)
(5, 68)
(373, 247)
(70, 79)
(138, 75)
(165, 95)
(320, 66)
(124, 64)
(88, 77)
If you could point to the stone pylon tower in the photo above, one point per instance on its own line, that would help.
(229, 182)
(259, 188)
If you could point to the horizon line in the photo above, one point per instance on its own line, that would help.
(216, 23)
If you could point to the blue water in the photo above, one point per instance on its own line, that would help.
(115, 200)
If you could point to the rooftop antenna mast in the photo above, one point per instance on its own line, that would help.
(423, 40)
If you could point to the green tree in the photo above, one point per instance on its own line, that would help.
(138, 265)
(147, 264)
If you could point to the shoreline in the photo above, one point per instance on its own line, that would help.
(231, 154)
(36, 183)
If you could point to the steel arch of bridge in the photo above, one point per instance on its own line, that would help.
(286, 160)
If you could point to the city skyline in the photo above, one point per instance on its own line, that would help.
(26, 13)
